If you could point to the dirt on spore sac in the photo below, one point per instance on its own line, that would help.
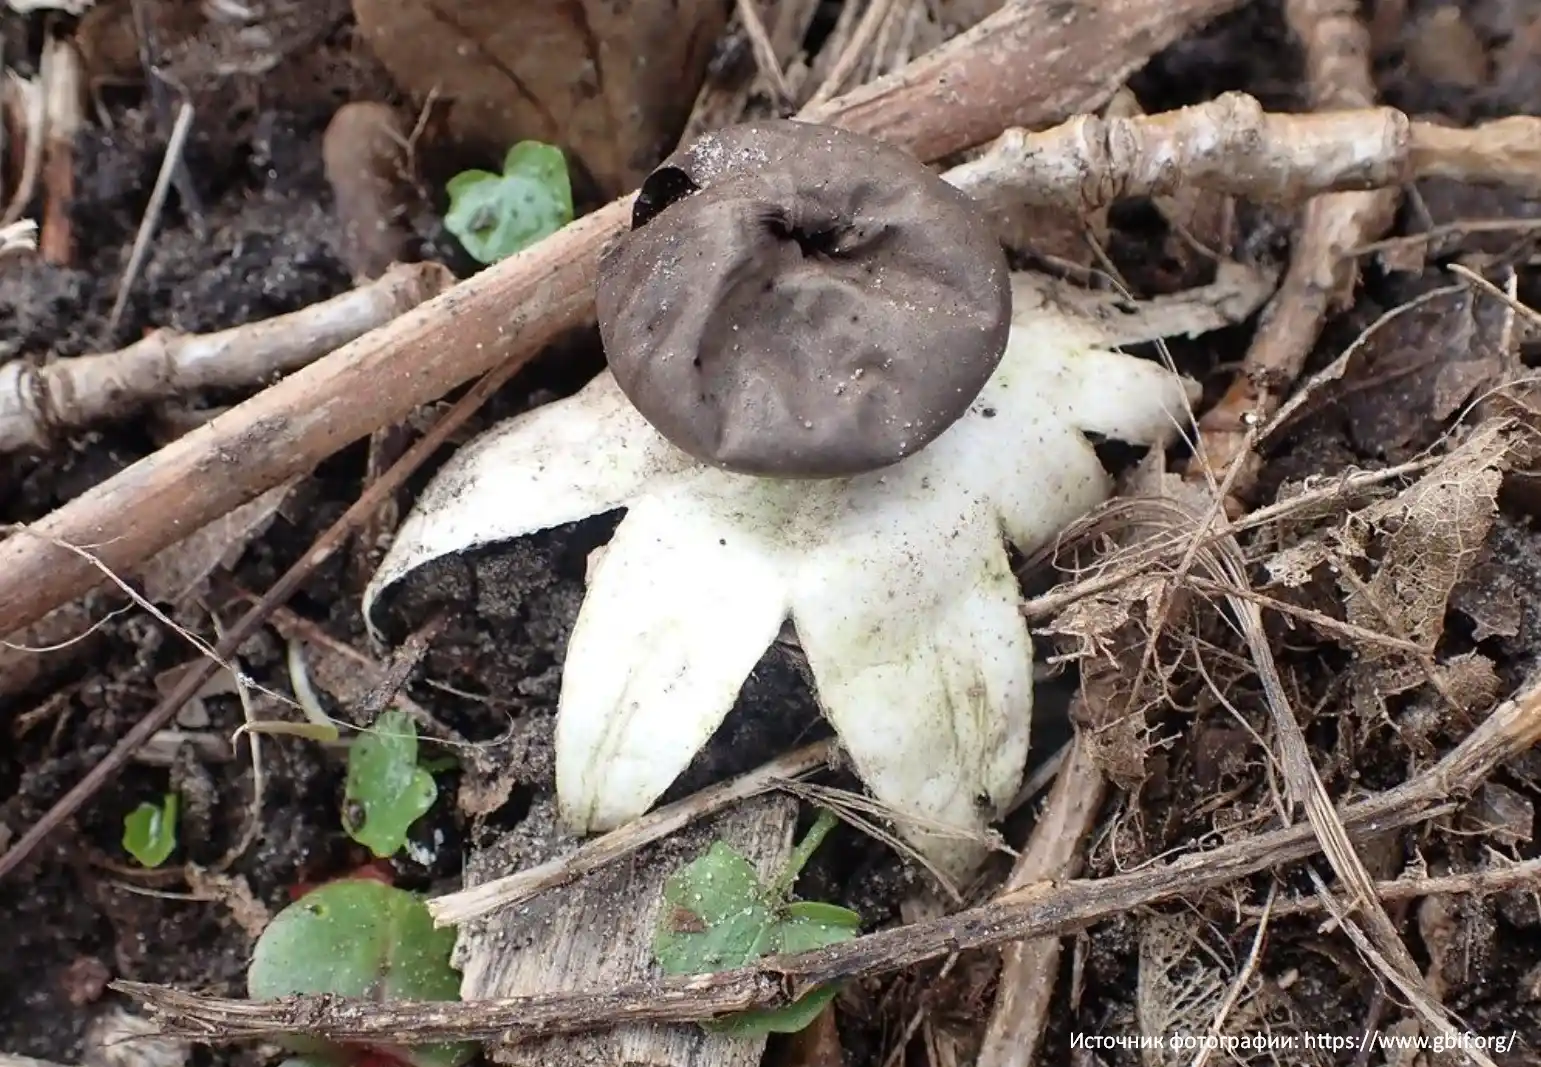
(266, 243)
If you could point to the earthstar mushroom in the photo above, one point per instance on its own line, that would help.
(896, 581)
(800, 301)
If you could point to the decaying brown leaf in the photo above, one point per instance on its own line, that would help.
(1430, 537)
(612, 84)
(1417, 371)
(1191, 983)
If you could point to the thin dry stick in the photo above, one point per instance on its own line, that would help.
(488, 897)
(764, 52)
(1028, 64)
(1029, 968)
(285, 587)
(1323, 270)
(1523, 875)
(1036, 912)
(68, 394)
(851, 54)
(152, 215)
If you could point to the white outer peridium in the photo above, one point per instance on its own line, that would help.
(896, 580)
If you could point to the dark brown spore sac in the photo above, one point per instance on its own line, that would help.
(798, 301)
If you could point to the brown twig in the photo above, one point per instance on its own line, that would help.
(1323, 270)
(1028, 64)
(164, 180)
(1523, 875)
(328, 543)
(1029, 968)
(1040, 910)
(67, 394)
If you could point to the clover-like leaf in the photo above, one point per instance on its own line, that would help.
(150, 832)
(718, 915)
(496, 215)
(387, 791)
(362, 939)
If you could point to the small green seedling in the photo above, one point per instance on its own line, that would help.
(150, 832)
(362, 939)
(387, 789)
(717, 916)
(496, 215)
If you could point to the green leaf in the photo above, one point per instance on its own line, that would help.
(359, 938)
(715, 916)
(718, 915)
(150, 833)
(788, 1020)
(811, 924)
(496, 215)
(386, 791)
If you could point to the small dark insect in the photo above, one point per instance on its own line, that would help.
(684, 921)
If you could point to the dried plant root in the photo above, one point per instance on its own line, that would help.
(1324, 269)
(37, 402)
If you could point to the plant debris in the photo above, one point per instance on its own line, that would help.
(1283, 778)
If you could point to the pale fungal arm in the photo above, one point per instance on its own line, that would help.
(923, 663)
(686, 599)
(568, 460)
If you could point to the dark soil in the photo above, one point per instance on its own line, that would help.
(266, 244)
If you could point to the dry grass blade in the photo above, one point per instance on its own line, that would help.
(152, 215)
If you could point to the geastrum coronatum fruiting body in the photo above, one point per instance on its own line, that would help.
(895, 577)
